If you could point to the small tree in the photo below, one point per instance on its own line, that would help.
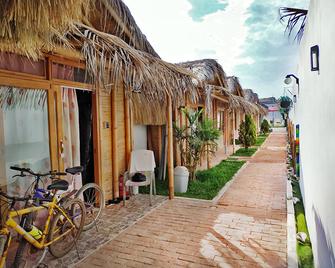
(208, 133)
(195, 139)
(247, 132)
(265, 126)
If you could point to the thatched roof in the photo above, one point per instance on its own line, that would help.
(234, 86)
(76, 27)
(251, 96)
(208, 71)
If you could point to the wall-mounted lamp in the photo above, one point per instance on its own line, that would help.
(288, 80)
(315, 65)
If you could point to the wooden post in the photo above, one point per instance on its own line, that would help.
(226, 130)
(170, 147)
(234, 131)
(115, 167)
(176, 147)
(127, 128)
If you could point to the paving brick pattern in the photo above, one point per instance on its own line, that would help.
(114, 220)
(247, 228)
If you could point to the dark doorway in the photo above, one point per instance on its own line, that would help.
(84, 98)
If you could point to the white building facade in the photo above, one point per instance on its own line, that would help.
(315, 114)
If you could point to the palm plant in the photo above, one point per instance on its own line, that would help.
(195, 139)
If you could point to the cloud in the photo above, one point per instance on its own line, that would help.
(245, 36)
(273, 55)
(200, 8)
(177, 37)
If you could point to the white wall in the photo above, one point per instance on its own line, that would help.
(140, 137)
(315, 112)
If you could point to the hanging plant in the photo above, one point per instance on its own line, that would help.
(285, 102)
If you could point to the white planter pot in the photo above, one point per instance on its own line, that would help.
(181, 176)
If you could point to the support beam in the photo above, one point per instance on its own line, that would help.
(127, 128)
(115, 167)
(226, 130)
(234, 127)
(170, 147)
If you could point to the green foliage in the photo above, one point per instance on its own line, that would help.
(196, 139)
(208, 184)
(305, 252)
(247, 132)
(260, 140)
(265, 126)
(245, 152)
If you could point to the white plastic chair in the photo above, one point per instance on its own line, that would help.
(140, 161)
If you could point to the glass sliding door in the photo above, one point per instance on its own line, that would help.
(24, 135)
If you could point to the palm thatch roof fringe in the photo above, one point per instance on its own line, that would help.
(235, 102)
(145, 112)
(30, 27)
(234, 85)
(111, 61)
(207, 71)
(124, 25)
(17, 98)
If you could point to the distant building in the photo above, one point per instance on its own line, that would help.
(274, 116)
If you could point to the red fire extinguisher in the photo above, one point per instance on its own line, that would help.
(121, 188)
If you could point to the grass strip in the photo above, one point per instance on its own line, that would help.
(208, 183)
(245, 152)
(305, 253)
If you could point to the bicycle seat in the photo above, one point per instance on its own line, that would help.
(74, 170)
(59, 185)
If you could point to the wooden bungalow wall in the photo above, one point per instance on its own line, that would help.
(103, 118)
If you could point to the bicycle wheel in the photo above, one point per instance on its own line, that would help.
(75, 210)
(21, 256)
(94, 201)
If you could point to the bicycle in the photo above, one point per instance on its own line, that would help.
(66, 217)
(93, 198)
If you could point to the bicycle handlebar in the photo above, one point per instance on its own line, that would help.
(29, 171)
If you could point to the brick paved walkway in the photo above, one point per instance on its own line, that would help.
(247, 228)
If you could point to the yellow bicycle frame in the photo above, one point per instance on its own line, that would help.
(43, 243)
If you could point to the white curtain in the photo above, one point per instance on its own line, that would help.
(71, 138)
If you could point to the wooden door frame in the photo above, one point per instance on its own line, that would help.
(95, 125)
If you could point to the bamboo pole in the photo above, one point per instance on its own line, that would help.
(176, 147)
(127, 127)
(234, 131)
(170, 147)
(226, 130)
(115, 168)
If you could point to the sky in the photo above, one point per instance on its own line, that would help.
(244, 36)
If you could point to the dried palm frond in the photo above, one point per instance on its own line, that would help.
(145, 112)
(17, 98)
(114, 17)
(32, 25)
(234, 101)
(208, 71)
(111, 61)
(293, 16)
(234, 85)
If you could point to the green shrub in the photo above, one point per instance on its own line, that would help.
(265, 126)
(247, 132)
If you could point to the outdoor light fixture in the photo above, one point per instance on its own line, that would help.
(288, 80)
(315, 58)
